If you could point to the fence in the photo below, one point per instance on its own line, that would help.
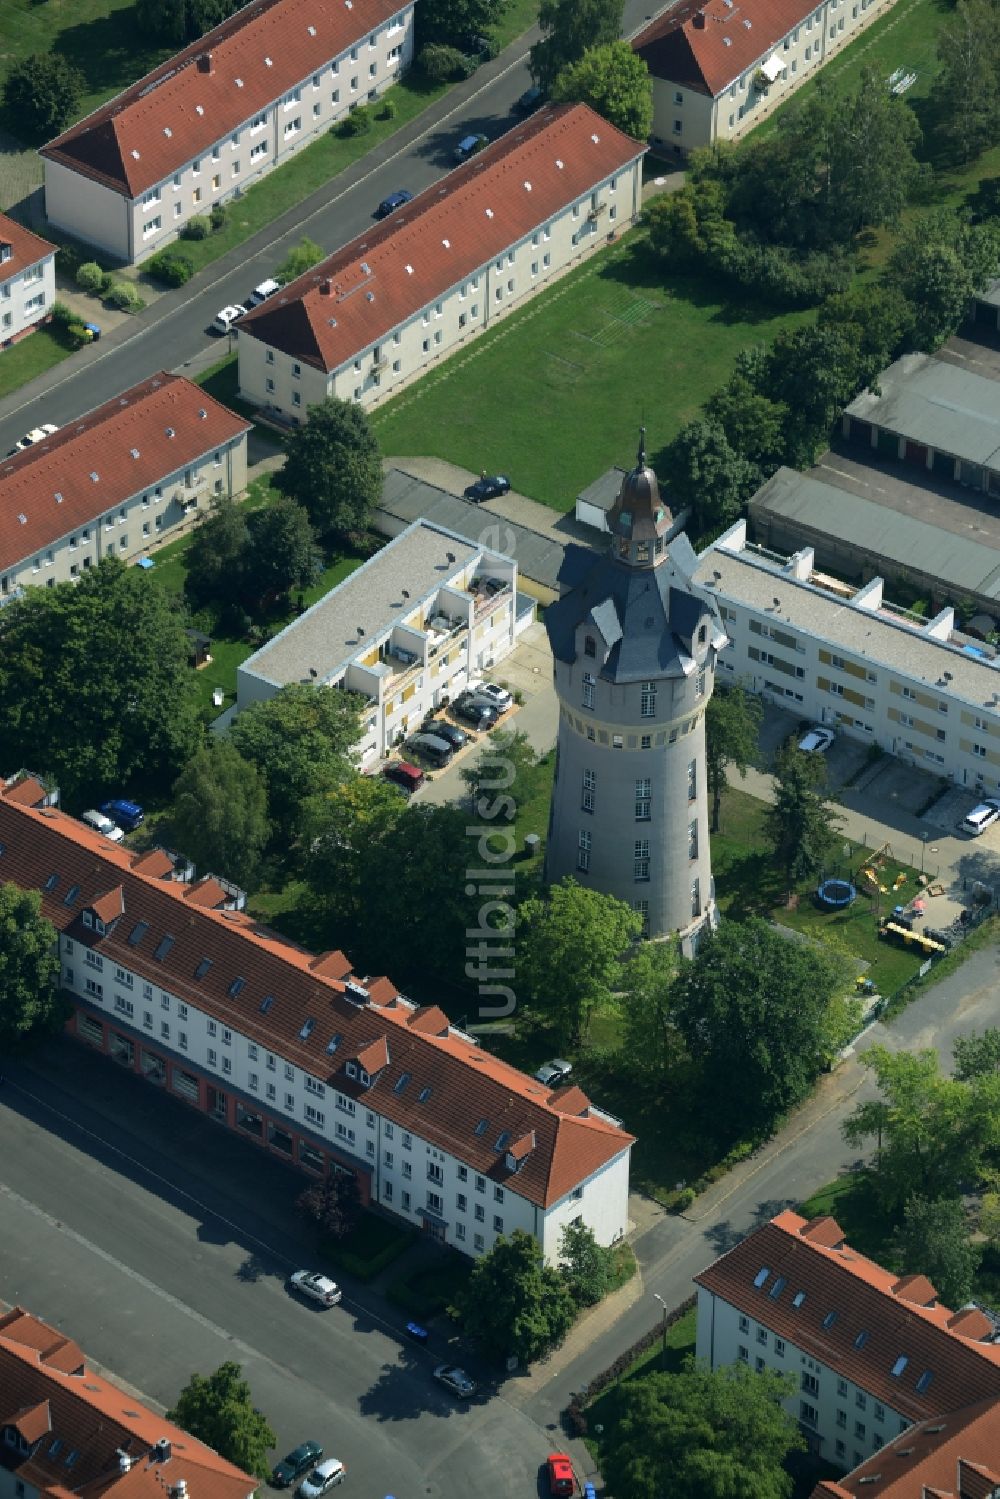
(574, 1417)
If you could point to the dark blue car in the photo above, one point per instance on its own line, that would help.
(392, 202)
(128, 815)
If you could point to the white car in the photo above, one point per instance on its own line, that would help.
(489, 692)
(981, 817)
(228, 316)
(103, 825)
(456, 1380)
(817, 741)
(325, 1475)
(263, 291)
(316, 1287)
(37, 434)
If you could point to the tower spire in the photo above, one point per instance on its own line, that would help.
(641, 455)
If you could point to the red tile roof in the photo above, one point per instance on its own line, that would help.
(953, 1455)
(89, 1436)
(26, 248)
(705, 44)
(943, 1368)
(211, 89)
(207, 892)
(386, 275)
(450, 1084)
(29, 792)
(156, 863)
(104, 457)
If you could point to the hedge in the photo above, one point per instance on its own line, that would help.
(576, 1417)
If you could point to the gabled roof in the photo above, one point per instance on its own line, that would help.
(388, 274)
(956, 1455)
(859, 1320)
(26, 249)
(705, 44)
(217, 84)
(440, 1086)
(103, 458)
(86, 1435)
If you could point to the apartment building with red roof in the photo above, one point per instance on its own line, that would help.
(462, 254)
(27, 280)
(324, 1068)
(872, 1353)
(719, 67)
(116, 481)
(68, 1430)
(952, 1456)
(218, 116)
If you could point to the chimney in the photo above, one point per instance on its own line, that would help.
(161, 1450)
(326, 287)
(698, 21)
(124, 1461)
(205, 63)
(180, 1489)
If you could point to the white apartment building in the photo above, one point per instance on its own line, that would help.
(115, 482)
(462, 254)
(847, 657)
(870, 1352)
(27, 280)
(719, 67)
(408, 631)
(327, 1070)
(209, 122)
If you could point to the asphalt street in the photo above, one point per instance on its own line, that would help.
(173, 333)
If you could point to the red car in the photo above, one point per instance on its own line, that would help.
(409, 777)
(562, 1483)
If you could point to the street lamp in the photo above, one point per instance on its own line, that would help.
(923, 849)
(659, 1298)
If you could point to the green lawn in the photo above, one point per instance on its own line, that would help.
(554, 394)
(520, 14)
(32, 356)
(603, 1412)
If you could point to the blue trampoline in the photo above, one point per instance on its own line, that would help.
(836, 895)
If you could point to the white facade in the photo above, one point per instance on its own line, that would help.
(26, 298)
(846, 657)
(842, 1421)
(132, 229)
(287, 387)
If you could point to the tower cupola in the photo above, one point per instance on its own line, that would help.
(639, 520)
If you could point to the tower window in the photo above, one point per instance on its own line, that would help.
(589, 790)
(589, 684)
(647, 706)
(590, 646)
(583, 851)
(642, 798)
(624, 547)
(695, 897)
(640, 869)
(693, 840)
(692, 780)
(700, 685)
(642, 907)
(702, 634)
(642, 551)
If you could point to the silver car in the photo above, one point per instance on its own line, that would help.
(325, 1475)
(456, 1380)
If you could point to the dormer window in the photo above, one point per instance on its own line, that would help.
(702, 634)
(363, 1077)
(352, 1069)
(88, 920)
(99, 926)
(590, 646)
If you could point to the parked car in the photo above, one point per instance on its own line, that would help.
(456, 737)
(416, 1332)
(225, 319)
(554, 1072)
(562, 1481)
(429, 747)
(298, 1461)
(481, 716)
(817, 741)
(392, 202)
(532, 98)
(402, 773)
(263, 291)
(315, 1287)
(127, 815)
(474, 44)
(456, 1380)
(492, 693)
(469, 145)
(487, 488)
(37, 434)
(325, 1475)
(981, 817)
(102, 825)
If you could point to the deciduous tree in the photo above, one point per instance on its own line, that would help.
(801, 824)
(333, 468)
(933, 1240)
(30, 1004)
(571, 943)
(872, 167)
(615, 82)
(569, 28)
(455, 20)
(216, 555)
(219, 1410)
(112, 645)
(650, 1042)
(281, 550)
(967, 87)
(704, 473)
(515, 1304)
(300, 259)
(220, 813)
(41, 94)
(347, 828)
(588, 1267)
(939, 265)
(702, 1434)
(732, 724)
(333, 1204)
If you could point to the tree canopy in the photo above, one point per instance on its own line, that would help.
(30, 1003)
(174, 22)
(333, 468)
(453, 21)
(933, 1240)
(569, 29)
(615, 82)
(752, 1009)
(704, 473)
(702, 1434)
(238, 558)
(939, 265)
(333, 1204)
(42, 93)
(300, 258)
(220, 813)
(113, 645)
(732, 725)
(513, 1303)
(967, 88)
(800, 823)
(219, 1409)
(587, 1267)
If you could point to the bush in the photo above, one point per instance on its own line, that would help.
(388, 110)
(197, 228)
(441, 64)
(358, 122)
(685, 1197)
(90, 277)
(126, 297)
(107, 283)
(218, 216)
(171, 267)
(61, 316)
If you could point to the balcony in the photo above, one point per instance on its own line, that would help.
(486, 602)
